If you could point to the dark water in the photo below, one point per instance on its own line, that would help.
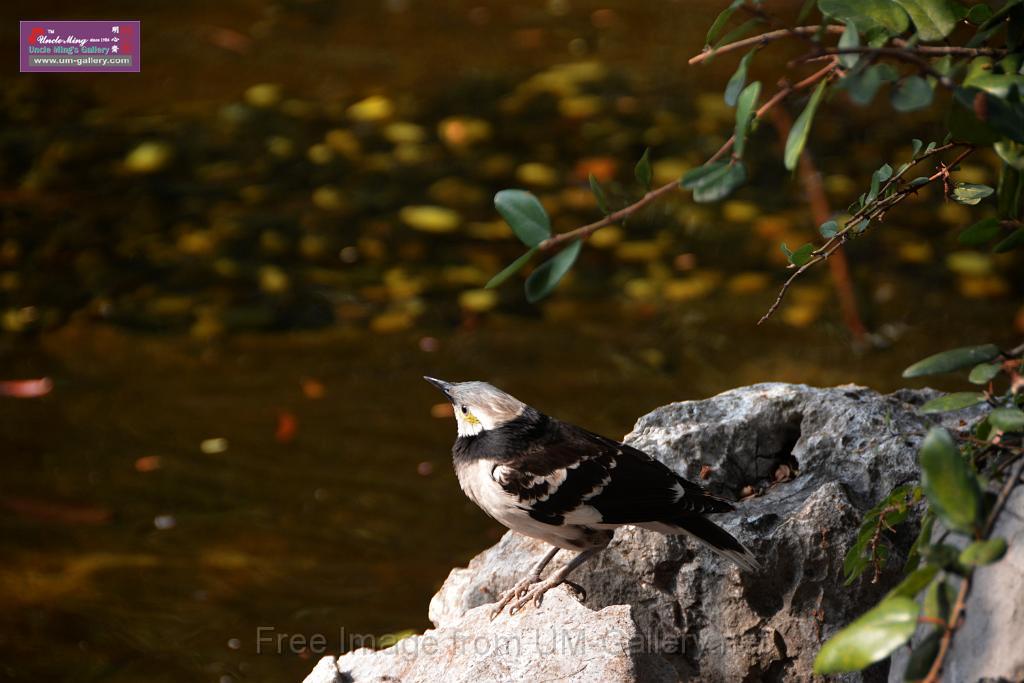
(237, 434)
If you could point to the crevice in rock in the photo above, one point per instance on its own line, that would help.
(778, 669)
(666, 572)
(773, 462)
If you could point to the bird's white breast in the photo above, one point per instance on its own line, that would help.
(480, 482)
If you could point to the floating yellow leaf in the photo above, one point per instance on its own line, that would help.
(263, 95)
(747, 283)
(434, 219)
(148, 157)
(738, 211)
(372, 109)
(401, 132)
(537, 174)
(607, 237)
(478, 300)
(969, 263)
(391, 321)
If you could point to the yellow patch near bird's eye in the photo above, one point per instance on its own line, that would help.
(471, 419)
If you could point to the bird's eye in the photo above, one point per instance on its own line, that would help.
(464, 410)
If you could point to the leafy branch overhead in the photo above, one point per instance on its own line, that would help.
(965, 62)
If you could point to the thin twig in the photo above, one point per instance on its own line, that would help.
(898, 53)
(955, 50)
(865, 214)
(584, 232)
(837, 29)
(765, 38)
(556, 241)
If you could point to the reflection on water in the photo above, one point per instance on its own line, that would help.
(236, 281)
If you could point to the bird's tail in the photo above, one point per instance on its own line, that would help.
(714, 537)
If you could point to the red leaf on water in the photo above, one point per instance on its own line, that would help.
(287, 425)
(26, 388)
(148, 463)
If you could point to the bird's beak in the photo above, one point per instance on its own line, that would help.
(439, 383)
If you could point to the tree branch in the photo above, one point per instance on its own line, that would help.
(765, 38)
(837, 29)
(868, 213)
(897, 53)
(556, 241)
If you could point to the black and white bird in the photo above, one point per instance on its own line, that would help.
(567, 486)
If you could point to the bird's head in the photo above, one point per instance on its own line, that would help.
(478, 405)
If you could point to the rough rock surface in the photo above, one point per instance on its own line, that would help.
(562, 641)
(696, 616)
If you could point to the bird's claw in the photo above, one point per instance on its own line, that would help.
(515, 593)
(536, 594)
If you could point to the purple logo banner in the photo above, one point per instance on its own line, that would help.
(79, 46)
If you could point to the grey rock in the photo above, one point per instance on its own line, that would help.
(560, 641)
(696, 617)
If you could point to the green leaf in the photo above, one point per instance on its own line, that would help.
(799, 257)
(548, 274)
(1007, 419)
(870, 638)
(802, 128)
(980, 233)
(1011, 152)
(983, 373)
(712, 182)
(877, 178)
(828, 229)
(738, 79)
(939, 599)
(934, 19)
(924, 537)
(855, 563)
(970, 193)
(922, 656)
(1010, 192)
(599, 195)
(915, 146)
(863, 85)
(955, 401)
(1014, 240)
(868, 14)
(954, 359)
(721, 20)
(805, 9)
(734, 35)
(914, 583)
(911, 94)
(746, 105)
(642, 171)
(941, 555)
(849, 39)
(948, 482)
(525, 215)
(979, 14)
(994, 84)
(981, 553)
(511, 269)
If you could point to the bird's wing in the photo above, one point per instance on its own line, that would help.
(573, 469)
